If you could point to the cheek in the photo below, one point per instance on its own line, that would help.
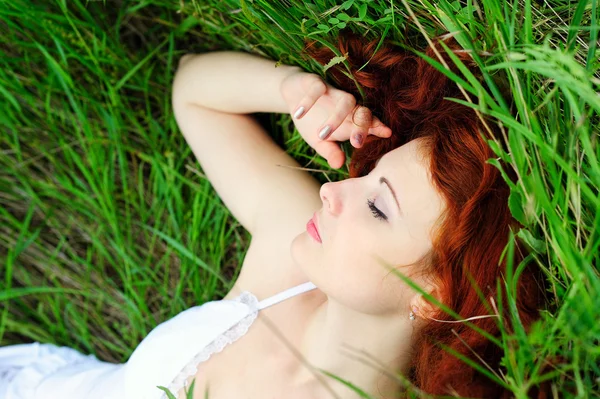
(358, 279)
(347, 270)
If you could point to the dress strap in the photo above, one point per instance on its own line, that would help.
(282, 296)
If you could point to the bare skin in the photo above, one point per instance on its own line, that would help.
(358, 302)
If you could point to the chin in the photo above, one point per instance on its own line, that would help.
(303, 252)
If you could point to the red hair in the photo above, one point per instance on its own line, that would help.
(407, 94)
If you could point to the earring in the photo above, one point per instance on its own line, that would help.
(411, 315)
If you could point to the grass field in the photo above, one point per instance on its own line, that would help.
(108, 225)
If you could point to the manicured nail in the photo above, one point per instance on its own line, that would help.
(324, 132)
(359, 139)
(299, 112)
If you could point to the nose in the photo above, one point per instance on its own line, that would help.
(329, 193)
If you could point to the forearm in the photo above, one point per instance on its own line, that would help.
(233, 82)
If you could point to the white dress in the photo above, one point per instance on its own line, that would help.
(166, 357)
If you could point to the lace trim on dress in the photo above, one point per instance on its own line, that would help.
(218, 344)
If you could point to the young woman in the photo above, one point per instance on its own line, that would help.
(323, 285)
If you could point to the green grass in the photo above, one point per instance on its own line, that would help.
(109, 227)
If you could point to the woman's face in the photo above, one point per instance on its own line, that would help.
(395, 228)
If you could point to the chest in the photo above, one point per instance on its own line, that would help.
(257, 365)
(260, 363)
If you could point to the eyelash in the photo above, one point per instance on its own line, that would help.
(376, 212)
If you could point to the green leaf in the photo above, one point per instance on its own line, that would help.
(515, 204)
(346, 4)
(11, 99)
(19, 292)
(519, 155)
(341, 25)
(333, 61)
(321, 26)
(343, 17)
(186, 25)
(189, 394)
(333, 21)
(362, 11)
(169, 394)
(350, 385)
(537, 245)
(496, 163)
(137, 67)
(498, 150)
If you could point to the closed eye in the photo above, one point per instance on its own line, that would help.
(376, 212)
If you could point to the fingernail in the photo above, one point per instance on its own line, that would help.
(359, 139)
(299, 112)
(324, 132)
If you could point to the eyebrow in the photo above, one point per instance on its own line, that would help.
(384, 180)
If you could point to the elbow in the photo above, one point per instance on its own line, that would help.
(178, 89)
(184, 59)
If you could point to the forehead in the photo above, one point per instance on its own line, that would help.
(411, 155)
(407, 169)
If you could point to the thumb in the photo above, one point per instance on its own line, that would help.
(332, 152)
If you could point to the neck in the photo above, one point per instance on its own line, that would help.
(354, 346)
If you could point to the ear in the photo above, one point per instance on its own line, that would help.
(425, 309)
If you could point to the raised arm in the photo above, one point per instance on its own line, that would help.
(231, 82)
(211, 93)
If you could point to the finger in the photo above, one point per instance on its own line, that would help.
(331, 151)
(379, 129)
(361, 121)
(344, 106)
(315, 89)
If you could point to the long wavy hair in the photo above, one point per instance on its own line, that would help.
(407, 94)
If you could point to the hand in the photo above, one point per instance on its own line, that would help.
(332, 107)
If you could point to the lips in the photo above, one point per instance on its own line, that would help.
(313, 228)
(314, 219)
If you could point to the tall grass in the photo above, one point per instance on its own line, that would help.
(108, 225)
